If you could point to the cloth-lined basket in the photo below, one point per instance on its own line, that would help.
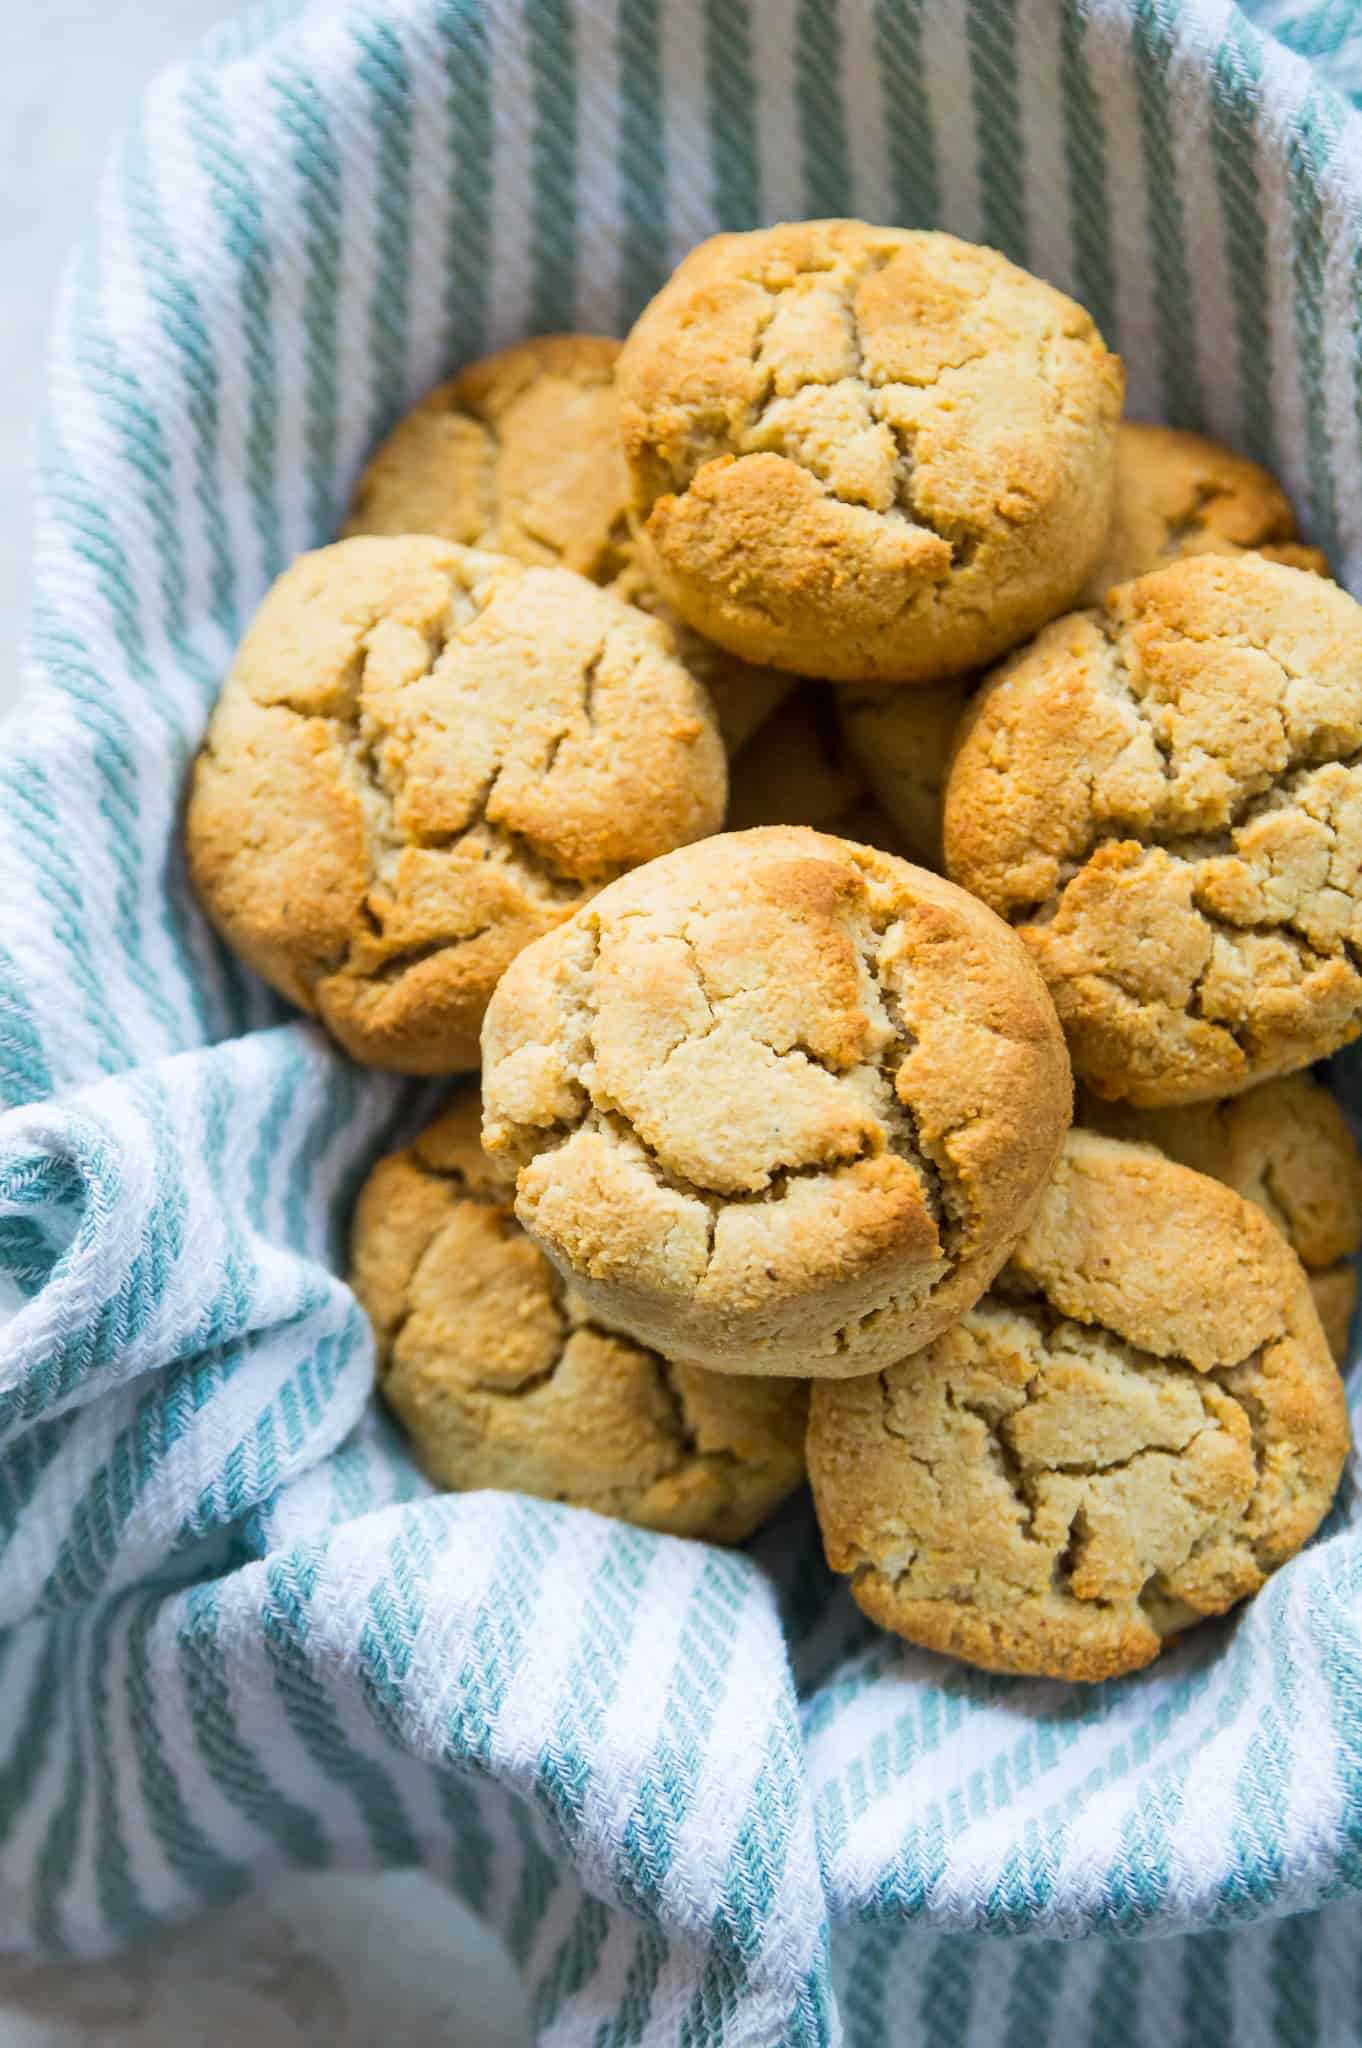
(699, 1796)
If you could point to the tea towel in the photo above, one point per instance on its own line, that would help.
(701, 1799)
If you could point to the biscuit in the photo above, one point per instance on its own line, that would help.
(1181, 494)
(1285, 1146)
(779, 1103)
(422, 759)
(1132, 1429)
(870, 454)
(501, 1377)
(1335, 1294)
(520, 454)
(1176, 494)
(902, 740)
(797, 769)
(1165, 798)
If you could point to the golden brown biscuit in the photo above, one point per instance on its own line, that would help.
(744, 696)
(1285, 1146)
(521, 454)
(422, 759)
(871, 454)
(1135, 1426)
(779, 1104)
(1164, 797)
(502, 1378)
(1180, 494)
(1176, 494)
(1334, 1289)
(902, 740)
(796, 770)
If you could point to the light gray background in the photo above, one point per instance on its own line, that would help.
(335, 1962)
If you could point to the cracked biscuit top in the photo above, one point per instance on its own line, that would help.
(1181, 494)
(867, 453)
(1165, 798)
(424, 758)
(502, 1377)
(779, 1103)
(1132, 1429)
(1176, 494)
(520, 454)
(1285, 1146)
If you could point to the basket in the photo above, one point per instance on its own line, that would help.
(701, 1799)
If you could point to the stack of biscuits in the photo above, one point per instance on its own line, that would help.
(771, 761)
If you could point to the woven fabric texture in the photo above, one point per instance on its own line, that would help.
(703, 1801)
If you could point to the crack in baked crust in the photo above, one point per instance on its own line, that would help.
(671, 1427)
(1022, 1477)
(1122, 1435)
(1209, 814)
(422, 759)
(1193, 520)
(747, 1057)
(771, 423)
(361, 741)
(1275, 789)
(903, 1128)
(897, 1129)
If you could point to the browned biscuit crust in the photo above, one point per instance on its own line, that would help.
(779, 1104)
(422, 759)
(867, 453)
(502, 1378)
(520, 454)
(1285, 1146)
(1176, 494)
(1181, 494)
(902, 740)
(1334, 1291)
(1135, 1427)
(1165, 799)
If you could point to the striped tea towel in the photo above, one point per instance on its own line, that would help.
(700, 1798)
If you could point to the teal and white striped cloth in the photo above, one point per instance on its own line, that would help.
(703, 1801)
